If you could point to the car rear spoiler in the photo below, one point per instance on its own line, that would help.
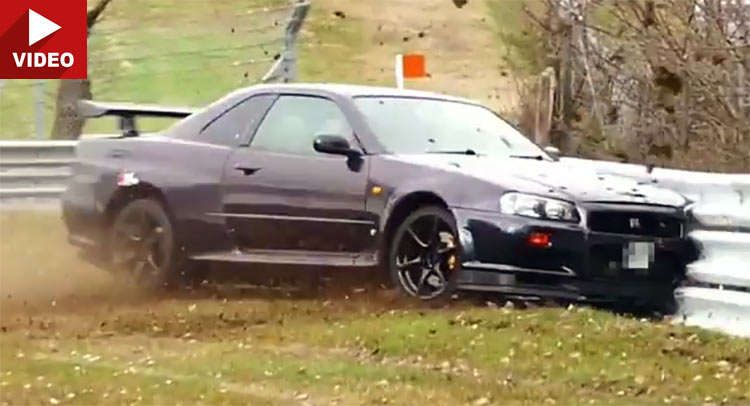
(127, 113)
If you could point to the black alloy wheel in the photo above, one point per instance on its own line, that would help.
(142, 244)
(425, 254)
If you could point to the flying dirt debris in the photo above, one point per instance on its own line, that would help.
(370, 177)
(460, 3)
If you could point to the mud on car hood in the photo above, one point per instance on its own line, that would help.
(554, 179)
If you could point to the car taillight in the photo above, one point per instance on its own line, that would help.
(125, 178)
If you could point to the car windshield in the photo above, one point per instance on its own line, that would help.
(415, 126)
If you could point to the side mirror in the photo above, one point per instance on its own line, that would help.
(553, 152)
(333, 144)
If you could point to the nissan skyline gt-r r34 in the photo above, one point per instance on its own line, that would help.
(437, 191)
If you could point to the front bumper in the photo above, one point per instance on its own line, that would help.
(578, 264)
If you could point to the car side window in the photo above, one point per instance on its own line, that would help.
(294, 121)
(231, 128)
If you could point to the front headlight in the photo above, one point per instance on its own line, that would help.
(521, 204)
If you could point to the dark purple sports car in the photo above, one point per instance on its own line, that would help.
(438, 192)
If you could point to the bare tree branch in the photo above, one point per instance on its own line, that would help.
(92, 16)
(672, 86)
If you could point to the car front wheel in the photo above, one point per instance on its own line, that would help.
(425, 254)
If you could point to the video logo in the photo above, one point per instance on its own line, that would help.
(43, 39)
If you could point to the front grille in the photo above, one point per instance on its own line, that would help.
(635, 223)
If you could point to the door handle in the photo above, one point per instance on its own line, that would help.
(246, 170)
(118, 153)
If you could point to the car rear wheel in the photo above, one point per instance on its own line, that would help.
(424, 255)
(142, 244)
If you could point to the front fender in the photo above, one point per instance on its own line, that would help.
(450, 189)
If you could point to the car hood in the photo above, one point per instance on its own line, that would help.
(554, 179)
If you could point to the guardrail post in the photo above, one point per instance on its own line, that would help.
(285, 67)
(39, 109)
(290, 41)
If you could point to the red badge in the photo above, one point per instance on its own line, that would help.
(43, 39)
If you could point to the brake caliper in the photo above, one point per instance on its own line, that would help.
(449, 241)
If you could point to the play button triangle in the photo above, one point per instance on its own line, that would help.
(40, 27)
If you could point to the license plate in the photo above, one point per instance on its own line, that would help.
(638, 255)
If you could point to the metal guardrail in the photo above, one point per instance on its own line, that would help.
(34, 170)
(704, 187)
(718, 293)
(718, 296)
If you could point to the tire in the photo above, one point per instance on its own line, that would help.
(142, 244)
(424, 255)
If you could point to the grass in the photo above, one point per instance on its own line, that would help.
(518, 34)
(143, 51)
(73, 345)
(331, 48)
(189, 53)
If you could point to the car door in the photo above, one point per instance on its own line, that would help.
(280, 194)
(201, 168)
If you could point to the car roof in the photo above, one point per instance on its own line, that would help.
(356, 91)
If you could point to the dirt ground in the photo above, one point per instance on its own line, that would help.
(37, 269)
